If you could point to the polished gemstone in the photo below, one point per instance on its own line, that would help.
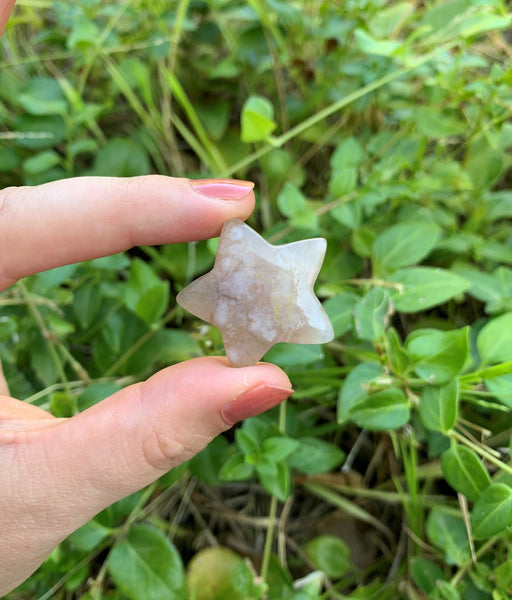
(258, 294)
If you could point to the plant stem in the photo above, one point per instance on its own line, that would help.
(483, 453)
(269, 538)
(47, 336)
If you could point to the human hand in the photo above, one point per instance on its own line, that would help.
(56, 474)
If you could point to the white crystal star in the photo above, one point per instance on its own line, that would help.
(258, 294)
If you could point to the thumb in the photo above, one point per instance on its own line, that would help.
(66, 471)
(127, 441)
(5, 10)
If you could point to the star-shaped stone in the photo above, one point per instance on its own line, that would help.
(258, 294)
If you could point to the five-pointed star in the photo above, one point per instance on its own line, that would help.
(258, 294)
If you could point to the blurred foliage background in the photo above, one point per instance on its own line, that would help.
(382, 126)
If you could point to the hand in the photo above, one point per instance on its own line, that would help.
(5, 11)
(56, 474)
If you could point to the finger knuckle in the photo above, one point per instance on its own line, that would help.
(164, 447)
(162, 450)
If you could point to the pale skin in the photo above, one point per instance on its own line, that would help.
(56, 474)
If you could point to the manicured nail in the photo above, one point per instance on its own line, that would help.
(254, 401)
(222, 189)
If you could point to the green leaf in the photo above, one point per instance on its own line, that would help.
(438, 356)
(279, 165)
(330, 554)
(439, 15)
(206, 464)
(146, 565)
(314, 455)
(384, 21)
(279, 581)
(445, 591)
(276, 479)
(87, 303)
(502, 576)
(277, 448)
(96, 392)
(121, 157)
(291, 201)
(115, 262)
(494, 340)
(404, 244)
(371, 314)
(292, 355)
(348, 154)
(494, 289)
(305, 219)
(340, 310)
(425, 573)
(146, 295)
(152, 303)
(215, 117)
(501, 388)
(257, 120)
(40, 106)
(388, 409)
(7, 328)
(397, 356)
(425, 287)
(435, 123)
(9, 160)
(484, 163)
(439, 405)
(43, 161)
(492, 512)
(89, 536)
(463, 470)
(236, 469)
(350, 213)
(43, 363)
(47, 280)
(84, 33)
(115, 515)
(357, 387)
(480, 23)
(62, 404)
(370, 45)
(246, 442)
(85, 146)
(309, 587)
(343, 182)
(448, 533)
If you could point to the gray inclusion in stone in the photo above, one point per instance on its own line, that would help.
(258, 294)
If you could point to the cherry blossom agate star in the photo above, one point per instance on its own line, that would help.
(258, 294)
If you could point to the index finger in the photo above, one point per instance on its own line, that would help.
(6, 7)
(79, 219)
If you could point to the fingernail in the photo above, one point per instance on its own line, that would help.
(222, 189)
(254, 401)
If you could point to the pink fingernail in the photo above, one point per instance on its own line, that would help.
(222, 189)
(254, 401)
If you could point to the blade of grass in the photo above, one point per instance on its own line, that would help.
(195, 121)
(152, 119)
